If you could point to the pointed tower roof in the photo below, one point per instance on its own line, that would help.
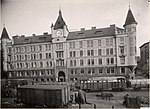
(4, 34)
(60, 23)
(129, 19)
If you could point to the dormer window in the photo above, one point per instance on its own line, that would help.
(42, 38)
(80, 34)
(99, 32)
(27, 39)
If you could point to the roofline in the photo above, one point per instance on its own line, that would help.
(144, 44)
(90, 37)
(32, 43)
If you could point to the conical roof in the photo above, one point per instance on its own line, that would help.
(60, 23)
(129, 19)
(4, 34)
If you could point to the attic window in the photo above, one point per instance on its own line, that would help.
(42, 38)
(99, 32)
(26, 39)
(80, 34)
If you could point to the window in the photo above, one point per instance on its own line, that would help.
(107, 60)
(70, 53)
(90, 43)
(111, 51)
(99, 52)
(92, 61)
(71, 71)
(71, 63)
(40, 56)
(59, 54)
(93, 70)
(122, 60)
(121, 40)
(34, 56)
(41, 64)
(81, 44)
(100, 70)
(122, 69)
(92, 52)
(32, 48)
(40, 47)
(59, 46)
(70, 45)
(88, 52)
(99, 42)
(89, 62)
(112, 70)
(47, 64)
(73, 44)
(48, 55)
(107, 42)
(81, 62)
(81, 53)
(111, 41)
(108, 70)
(74, 53)
(59, 62)
(48, 46)
(100, 61)
(74, 62)
(122, 50)
(107, 51)
(89, 71)
(26, 65)
(112, 60)
(82, 71)
(32, 64)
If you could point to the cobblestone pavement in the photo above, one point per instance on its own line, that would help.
(116, 100)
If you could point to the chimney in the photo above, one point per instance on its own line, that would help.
(93, 28)
(22, 35)
(45, 33)
(113, 25)
(82, 29)
(14, 37)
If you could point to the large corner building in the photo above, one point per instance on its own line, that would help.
(71, 56)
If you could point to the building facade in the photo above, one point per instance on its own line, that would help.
(72, 56)
(144, 52)
(143, 65)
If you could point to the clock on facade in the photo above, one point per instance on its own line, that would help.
(58, 32)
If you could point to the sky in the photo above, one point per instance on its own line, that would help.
(27, 17)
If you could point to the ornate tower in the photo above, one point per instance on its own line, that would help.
(4, 41)
(59, 34)
(59, 30)
(130, 27)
